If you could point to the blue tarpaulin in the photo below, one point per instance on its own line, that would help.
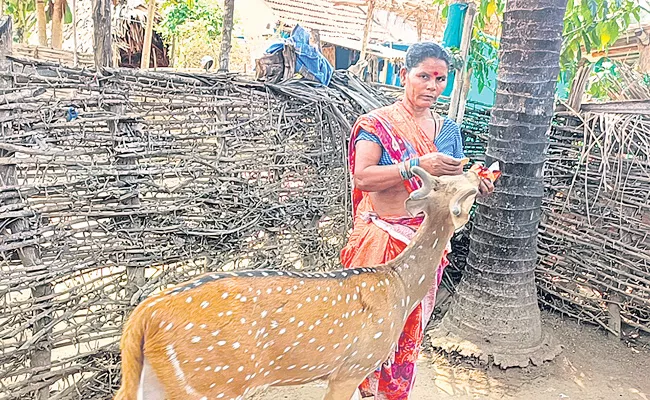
(453, 34)
(308, 58)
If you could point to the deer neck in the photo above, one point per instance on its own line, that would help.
(417, 265)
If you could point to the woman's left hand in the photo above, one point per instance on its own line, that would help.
(485, 187)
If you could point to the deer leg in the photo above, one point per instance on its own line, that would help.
(343, 388)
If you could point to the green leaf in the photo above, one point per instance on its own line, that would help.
(445, 12)
(593, 7)
(586, 42)
(67, 16)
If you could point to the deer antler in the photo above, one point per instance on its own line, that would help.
(427, 184)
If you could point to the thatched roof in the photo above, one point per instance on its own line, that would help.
(336, 19)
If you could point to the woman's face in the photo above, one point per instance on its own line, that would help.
(425, 82)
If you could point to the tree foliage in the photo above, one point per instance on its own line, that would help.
(589, 25)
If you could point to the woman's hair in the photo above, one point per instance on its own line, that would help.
(419, 52)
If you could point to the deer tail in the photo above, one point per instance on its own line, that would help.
(132, 353)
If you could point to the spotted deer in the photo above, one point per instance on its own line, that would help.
(225, 335)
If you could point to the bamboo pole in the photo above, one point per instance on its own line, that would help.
(75, 54)
(367, 29)
(148, 35)
(459, 84)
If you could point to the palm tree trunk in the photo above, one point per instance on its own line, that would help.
(57, 24)
(494, 315)
(226, 35)
(41, 22)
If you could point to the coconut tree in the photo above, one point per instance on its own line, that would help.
(494, 315)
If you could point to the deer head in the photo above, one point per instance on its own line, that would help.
(443, 196)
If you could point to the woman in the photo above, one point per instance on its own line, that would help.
(384, 145)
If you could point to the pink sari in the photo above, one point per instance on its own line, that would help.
(376, 240)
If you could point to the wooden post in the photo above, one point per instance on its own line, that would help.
(41, 351)
(226, 35)
(367, 29)
(57, 24)
(148, 35)
(459, 84)
(419, 26)
(41, 22)
(643, 44)
(102, 33)
(75, 54)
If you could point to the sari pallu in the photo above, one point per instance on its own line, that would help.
(377, 240)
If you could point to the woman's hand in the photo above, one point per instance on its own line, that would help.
(438, 164)
(485, 187)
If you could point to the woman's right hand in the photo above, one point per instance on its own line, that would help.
(438, 164)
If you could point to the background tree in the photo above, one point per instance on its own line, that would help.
(41, 22)
(226, 36)
(495, 309)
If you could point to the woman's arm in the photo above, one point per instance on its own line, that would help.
(368, 176)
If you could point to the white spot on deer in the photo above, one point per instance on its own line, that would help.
(292, 319)
(210, 348)
(269, 291)
(204, 304)
(169, 326)
(228, 313)
(240, 369)
(189, 326)
(292, 366)
(282, 331)
(274, 324)
(243, 299)
(421, 279)
(378, 335)
(243, 320)
(189, 299)
(196, 339)
(236, 345)
(299, 306)
(215, 333)
(221, 343)
(301, 323)
(330, 331)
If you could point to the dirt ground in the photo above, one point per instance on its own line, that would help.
(591, 367)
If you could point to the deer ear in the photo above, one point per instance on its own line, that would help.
(460, 206)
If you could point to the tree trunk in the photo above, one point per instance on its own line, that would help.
(102, 33)
(494, 315)
(57, 24)
(226, 35)
(145, 60)
(41, 22)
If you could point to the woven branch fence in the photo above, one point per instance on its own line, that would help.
(116, 186)
(594, 243)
